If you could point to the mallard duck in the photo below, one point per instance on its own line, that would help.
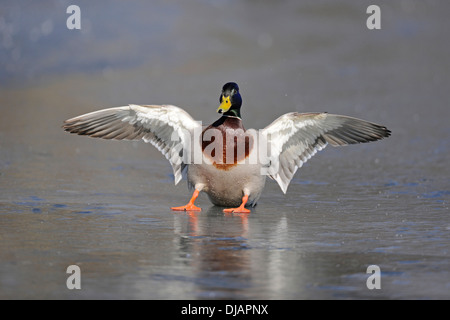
(224, 159)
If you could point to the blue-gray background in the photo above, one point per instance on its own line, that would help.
(104, 205)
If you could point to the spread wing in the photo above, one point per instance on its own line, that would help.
(166, 127)
(295, 137)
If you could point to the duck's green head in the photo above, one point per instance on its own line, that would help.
(230, 100)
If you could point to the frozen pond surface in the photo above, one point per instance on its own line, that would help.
(104, 205)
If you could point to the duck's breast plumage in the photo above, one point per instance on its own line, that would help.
(226, 143)
(227, 172)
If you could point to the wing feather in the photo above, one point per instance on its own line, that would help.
(296, 137)
(164, 126)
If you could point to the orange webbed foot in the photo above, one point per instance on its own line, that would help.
(237, 210)
(188, 207)
(241, 208)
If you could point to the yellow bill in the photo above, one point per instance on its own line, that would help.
(225, 105)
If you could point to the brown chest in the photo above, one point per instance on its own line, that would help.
(226, 143)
